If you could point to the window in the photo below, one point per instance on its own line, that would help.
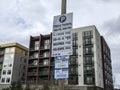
(9, 50)
(87, 41)
(9, 72)
(10, 65)
(36, 45)
(4, 72)
(35, 55)
(89, 79)
(88, 60)
(45, 62)
(87, 33)
(75, 51)
(88, 50)
(3, 80)
(8, 80)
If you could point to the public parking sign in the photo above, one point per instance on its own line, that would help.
(62, 35)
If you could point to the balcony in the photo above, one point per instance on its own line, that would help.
(34, 49)
(32, 65)
(44, 56)
(32, 73)
(43, 65)
(44, 73)
(33, 57)
(45, 47)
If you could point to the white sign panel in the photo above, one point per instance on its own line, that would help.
(61, 74)
(62, 62)
(62, 35)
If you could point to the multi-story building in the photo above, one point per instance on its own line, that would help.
(13, 57)
(85, 65)
(107, 67)
(40, 63)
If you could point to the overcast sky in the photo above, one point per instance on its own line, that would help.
(21, 18)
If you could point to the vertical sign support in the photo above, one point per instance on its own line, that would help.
(62, 45)
(63, 11)
(63, 7)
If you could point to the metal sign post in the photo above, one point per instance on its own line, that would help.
(62, 45)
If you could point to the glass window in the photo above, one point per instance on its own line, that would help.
(9, 72)
(36, 45)
(3, 80)
(35, 55)
(4, 72)
(9, 50)
(45, 62)
(87, 33)
(7, 80)
(88, 50)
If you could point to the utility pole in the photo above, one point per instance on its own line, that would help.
(63, 11)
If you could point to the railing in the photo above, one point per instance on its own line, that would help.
(32, 73)
(42, 64)
(45, 47)
(44, 73)
(32, 49)
(32, 57)
(32, 65)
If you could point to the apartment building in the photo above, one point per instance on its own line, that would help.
(85, 64)
(13, 58)
(40, 68)
(107, 66)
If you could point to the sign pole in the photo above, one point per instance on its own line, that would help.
(63, 7)
(63, 11)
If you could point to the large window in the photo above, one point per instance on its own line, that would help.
(9, 72)
(88, 60)
(10, 50)
(8, 80)
(88, 33)
(36, 45)
(89, 80)
(88, 41)
(3, 80)
(4, 72)
(88, 50)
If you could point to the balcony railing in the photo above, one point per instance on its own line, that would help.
(42, 64)
(33, 57)
(44, 73)
(45, 47)
(44, 56)
(34, 49)
(32, 73)
(32, 65)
